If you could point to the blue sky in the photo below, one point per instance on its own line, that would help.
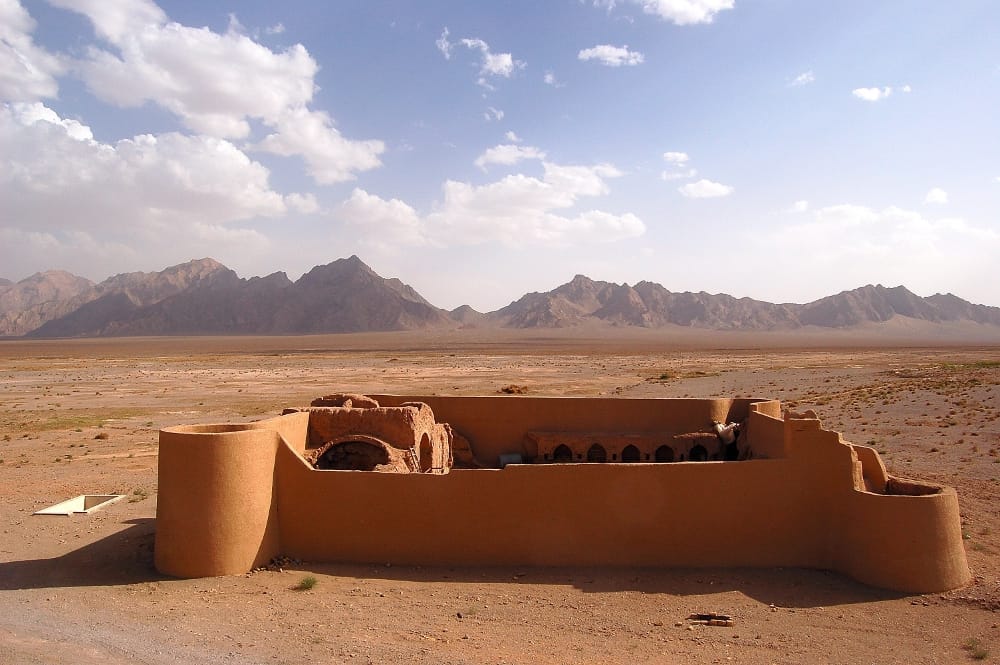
(778, 149)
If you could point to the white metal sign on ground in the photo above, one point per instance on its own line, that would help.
(85, 503)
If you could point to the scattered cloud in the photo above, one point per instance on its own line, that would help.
(805, 78)
(877, 94)
(872, 94)
(216, 83)
(705, 189)
(329, 157)
(494, 64)
(550, 79)
(936, 195)
(799, 206)
(512, 137)
(516, 211)
(611, 56)
(863, 245)
(276, 29)
(678, 170)
(27, 72)
(678, 12)
(382, 222)
(444, 45)
(508, 154)
(491, 114)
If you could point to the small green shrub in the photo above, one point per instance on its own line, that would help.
(975, 649)
(305, 583)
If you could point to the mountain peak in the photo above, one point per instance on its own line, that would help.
(202, 296)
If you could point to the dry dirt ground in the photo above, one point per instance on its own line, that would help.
(82, 417)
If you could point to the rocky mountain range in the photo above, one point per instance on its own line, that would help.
(204, 297)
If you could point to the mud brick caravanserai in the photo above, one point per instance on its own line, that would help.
(484, 481)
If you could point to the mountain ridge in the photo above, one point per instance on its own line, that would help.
(203, 296)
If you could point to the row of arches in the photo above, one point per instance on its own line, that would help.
(597, 453)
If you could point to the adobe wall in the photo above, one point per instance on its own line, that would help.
(497, 425)
(233, 499)
(216, 510)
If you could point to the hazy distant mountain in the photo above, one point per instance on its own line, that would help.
(34, 300)
(205, 297)
(102, 309)
(953, 308)
(646, 304)
(868, 303)
(4, 283)
(467, 316)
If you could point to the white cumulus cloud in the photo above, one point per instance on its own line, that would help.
(508, 154)
(27, 71)
(54, 175)
(329, 157)
(77, 203)
(216, 83)
(304, 203)
(872, 94)
(799, 206)
(678, 12)
(936, 195)
(517, 210)
(850, 244)
(705, 189)
(512, 137)
(676, 157)
(382, 222)
(611, 56)
(491, 65)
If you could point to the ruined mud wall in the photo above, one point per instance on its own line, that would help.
(807, 509)
(497, 425)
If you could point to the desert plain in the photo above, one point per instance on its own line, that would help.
(82, 416)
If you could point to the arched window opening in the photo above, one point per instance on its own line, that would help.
(562, 454)
(665, 454)
(352, 456)
(597, 453)
(630, 454)
(698, 454)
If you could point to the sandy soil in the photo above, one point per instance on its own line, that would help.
(81, 417)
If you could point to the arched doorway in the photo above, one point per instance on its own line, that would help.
(630, 454)
(426, 454)
(664, 454)
(597, 453)
(562, 454)
(698, 454)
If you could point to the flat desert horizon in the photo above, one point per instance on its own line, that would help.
(82, 416)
